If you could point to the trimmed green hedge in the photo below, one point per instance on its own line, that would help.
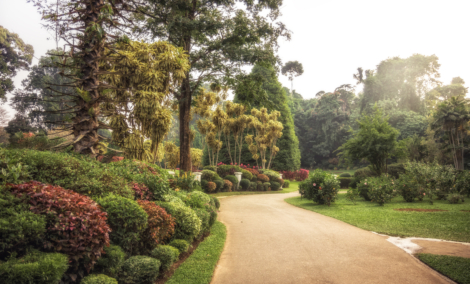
(98, 279)
(345, 181)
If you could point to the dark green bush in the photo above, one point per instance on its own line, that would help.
(363, 173)
(139, 269)
(244, 184)
(210, 168)
(181, 245)
(275, 185)
(225, 170)
(110, 262)
(363, 186)
(259, 186)
(35, 267)
(254, 178)
(167, 256)
(246, 175)
(233, 180)
(286, 184)
(345, 181)
(209, 175)
(77, 173)
(188, 224)
(216, 202)
(266, 186)
(345, 175)
(98, 279)
(395, 170)
(204, 184)
(220, 184)
(205, 218)
(253, 186)
(18, 225)
(354, 182)
(381, 189)
(126, 219)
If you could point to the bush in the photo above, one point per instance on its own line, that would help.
(220, 184)
(216, 202)
(455, 198)
(259, 186)
(197, 199)
(275, 186)
(363, 187)
(188, 224)
(181, 245)
(139, 270)
(167, 256)
(352, 195)
(209, 175)
(321, 187)
(345, 181)
(381, 189)
(210, 168)
(364, 173)
(272, 175)
(263, 178)
(245, 184)
(110, 262)
(286, 184)
(253, 186)
(35, 267)
(18, 226)
(345, 175)
(395, 170)
(98, 279)
(233, 180)
(78, 223)
(354, 182)
(252, 171)
(141, 192)
(266, 186)
(205, 218)
(211, 187)
(228, 185)
(408, 188)
(254, 178)
(246, 174)
(299, 175)
(77, 173)
(225, 170)
(160, 226)
(127, 221)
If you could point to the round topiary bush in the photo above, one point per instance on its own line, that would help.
(246, 175)
(167, 256)
(266, 186)
(197, 199)
(110, 262)
(181, 245)
(244, 184)
(210, 168)
(233, 180)
(209, 175)
(345, 175)
(139, 269)
(286, 184)
(216, 202)
(160, 226)
(35, 267)
(211, 187)
(253, 186)
(98, 279)
(263, 178)
(275, 186)
(188, 224)
(259, 186)
(204, 184)
(127, 221)
(205, 217)
(228, 185)
(220, 184)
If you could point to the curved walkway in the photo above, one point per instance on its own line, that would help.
(270, 241)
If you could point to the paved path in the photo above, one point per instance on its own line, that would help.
(270, 241)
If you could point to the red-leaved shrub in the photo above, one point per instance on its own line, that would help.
(299, 175)
(253, 171)
(161, 226)
(263, 178)
(211, 186)
(76, 226)
(141, 191)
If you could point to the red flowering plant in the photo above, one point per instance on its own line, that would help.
(321, 187)
(76, 226)
(161, 226)
(141, 191)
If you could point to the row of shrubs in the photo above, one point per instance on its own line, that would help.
(50, 234)
(223, 179)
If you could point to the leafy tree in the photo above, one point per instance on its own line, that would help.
(292, 69)
(440, 93)
(451, 118)
(19, 123)
(220, 37)
(15, 55)
(375, 141)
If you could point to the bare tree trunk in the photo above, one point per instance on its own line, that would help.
(184, 118)
(227, 140)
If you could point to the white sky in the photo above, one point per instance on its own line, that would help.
(330, 38)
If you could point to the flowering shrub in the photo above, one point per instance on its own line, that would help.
(321, 187)
(161, 226)
(363, 187)
(381, 189)
(75, 224)
(407, 186)
(299, 175)
(141, 191)
(263, 178)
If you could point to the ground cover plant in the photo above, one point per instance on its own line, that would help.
(451, 224)
(456, 268)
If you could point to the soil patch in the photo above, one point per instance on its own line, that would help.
(163, 277)
(419, 210)
(465, 210)
(443, 248)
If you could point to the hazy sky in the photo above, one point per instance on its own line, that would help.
(331, 38)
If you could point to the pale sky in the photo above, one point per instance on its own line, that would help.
(330, 38)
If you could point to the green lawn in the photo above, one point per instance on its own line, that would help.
(451, 225)
(199, 267)
(294, 186)
(456, 268)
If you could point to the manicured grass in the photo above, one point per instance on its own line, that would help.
(456, 268)
(448, 225)
(294, 186)
(199, 267)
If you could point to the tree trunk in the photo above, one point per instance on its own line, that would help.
(85, 124)
(184, 118)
